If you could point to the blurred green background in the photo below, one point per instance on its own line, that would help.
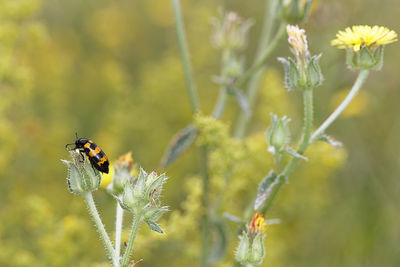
(111, 71)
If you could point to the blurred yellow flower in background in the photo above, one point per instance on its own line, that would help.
(357, 107)
(360, 36)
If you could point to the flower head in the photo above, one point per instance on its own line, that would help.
(360, 36)
(297, 40)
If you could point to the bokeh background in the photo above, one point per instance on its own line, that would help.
(111, 71)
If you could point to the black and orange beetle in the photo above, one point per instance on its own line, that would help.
(96, 156)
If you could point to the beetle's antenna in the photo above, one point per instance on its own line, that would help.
(76, 134)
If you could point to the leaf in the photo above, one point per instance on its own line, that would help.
(264, 189)
(179, 143)
(329, 140)
(232, 218)
(74, 178)
(154, 226)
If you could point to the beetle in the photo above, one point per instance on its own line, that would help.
(96, 156)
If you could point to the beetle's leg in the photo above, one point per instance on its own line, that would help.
(82, 156)
(66, 146)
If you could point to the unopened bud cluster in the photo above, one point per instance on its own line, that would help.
(141, 196)
(302, 72)
(251, 245)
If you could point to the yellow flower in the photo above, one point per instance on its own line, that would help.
(360, 36)
(106, 178)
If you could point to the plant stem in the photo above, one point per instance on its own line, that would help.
(137, 221)
(255, 73)
(118, 231)
(187, 67)
(205, 204)
(308, 119)
(362, 76)
(88, 197)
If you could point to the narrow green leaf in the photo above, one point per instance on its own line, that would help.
(179, 143)
(154, 226)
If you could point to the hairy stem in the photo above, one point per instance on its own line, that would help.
(187, 67)
(118, 231)
(308, 119)
(88, 197)
(362, 76)
(137, 221)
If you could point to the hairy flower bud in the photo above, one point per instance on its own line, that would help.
(278, 134)
(82, 177)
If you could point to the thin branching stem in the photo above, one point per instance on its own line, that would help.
(362, 76)
(187, 67)
(88, 197)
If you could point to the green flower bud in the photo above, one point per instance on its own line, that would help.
(278, 134)
(82, 177)
(292, 74)
(295, 11)
(143, 195)
(127, 199)
(122, 174)
(242, 251)
(257, 251)
(314, 74)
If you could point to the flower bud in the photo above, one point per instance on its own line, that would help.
(314, 74)
(121, 175)
(230, 32)
(257, 251)
(295, 11)
(278, 134)
(251, 245)
(82, 177)
(242, 251)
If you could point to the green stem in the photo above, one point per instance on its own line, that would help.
(205, 204)
(255, 73)
(187, 67)
(137, 221)
(118, 231)
(362, 76)
(282, 178)
(87, 196)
